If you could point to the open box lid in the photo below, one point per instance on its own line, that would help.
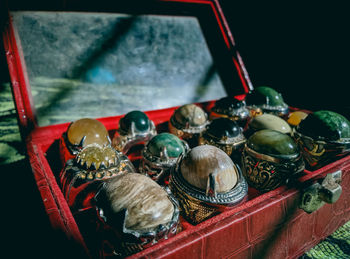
(74, 63)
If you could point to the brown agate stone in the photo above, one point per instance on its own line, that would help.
(204, 160)
(146, 202)
(93, 130)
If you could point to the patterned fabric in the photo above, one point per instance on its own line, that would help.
(336, 246)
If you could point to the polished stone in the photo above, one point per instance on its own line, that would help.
(325, 125)
(273, 143)
(204, 160)
(296, 117)
(269, 96)
(191, 115)
(228, 103)
(174, 146)
(146, 202)
(269, 121)
(94, 131)
(223, 128)
(140, 120)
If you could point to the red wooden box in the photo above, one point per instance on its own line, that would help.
(269, 224)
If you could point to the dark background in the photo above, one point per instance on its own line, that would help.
(299, 49)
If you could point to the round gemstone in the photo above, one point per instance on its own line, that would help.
(296, 117)
(191, 115)
(147, 204)
(273, 143)
(228, 103)
(174, 146)
(269, 121)
(223, 127)
(140, 120)
(265, 95)
(204, 160)
(325, 125)
(93, 131)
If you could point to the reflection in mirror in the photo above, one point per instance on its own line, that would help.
(98, 64)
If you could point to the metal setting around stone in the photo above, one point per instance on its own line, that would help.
(230, 198)
(144, 237)
(266, 173)
(223, 108)
(123, 141)
(157, 167)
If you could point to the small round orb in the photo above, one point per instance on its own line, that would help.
(97, 156)
(325, 125)
(138, 118)
(270, 121)
(173, 145)
(229, 104)
(93, 131)
(272, 143)
(296, 117)
(223, 128)
(147, 204)
(190, 115)
(266, 95)
(204, 160)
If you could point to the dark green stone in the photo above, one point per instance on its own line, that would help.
(139, 118)
(273, 143)
(325, 125)
(229, 103)
(265, 95)
(172, 143)
(223, 127)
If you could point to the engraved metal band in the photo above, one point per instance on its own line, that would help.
(277, 110)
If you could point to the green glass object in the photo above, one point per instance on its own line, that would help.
(323, 137)
(325, 125)
(269, 159)
(140, 120)
(134, 128)
(173, 145)
(160, 154)
(273, 143)
(267, 99)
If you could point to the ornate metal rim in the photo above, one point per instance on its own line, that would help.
(124, 141)
(232, 197)
(282, 109)
(234, 141)
(151, 235)
(240, 113)
(274, 159)
(189, 129)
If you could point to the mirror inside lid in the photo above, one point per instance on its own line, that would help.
(103, 64)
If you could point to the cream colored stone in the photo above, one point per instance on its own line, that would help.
(269, 121)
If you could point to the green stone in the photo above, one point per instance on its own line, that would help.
(269, 121)
(273, 97)
(173, 144)
(273, 143)
(139, 119)
(325, 125)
